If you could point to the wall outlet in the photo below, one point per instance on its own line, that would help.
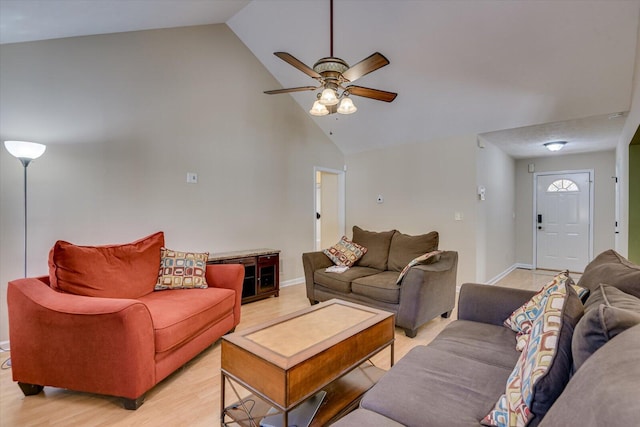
(380, 198)
(458, 216)
(192, 178)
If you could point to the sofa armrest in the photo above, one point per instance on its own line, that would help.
(489, 304)
(228, 276)
(101, 345)
(428, 291)
(312, 261)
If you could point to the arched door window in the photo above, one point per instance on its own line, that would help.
(562, 185)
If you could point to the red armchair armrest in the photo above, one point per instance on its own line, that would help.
(78, 342)
(229, 276)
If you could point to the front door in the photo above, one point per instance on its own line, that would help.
(562, 221)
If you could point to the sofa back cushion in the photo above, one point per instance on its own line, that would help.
(377, 244)
(613, 269)
(604, 392)
(608, 312)
(110, 271)
(405, 248)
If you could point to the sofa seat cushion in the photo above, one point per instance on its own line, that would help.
(380, 287)
(341, 282)
(361, 417)
(459, 375)
(181, 314)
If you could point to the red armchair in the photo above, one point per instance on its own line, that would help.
(115, 346)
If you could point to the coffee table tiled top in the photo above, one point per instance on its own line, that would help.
(290, 358)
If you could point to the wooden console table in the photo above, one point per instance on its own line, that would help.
(261, 271)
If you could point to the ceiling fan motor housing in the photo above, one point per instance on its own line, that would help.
(331, 69)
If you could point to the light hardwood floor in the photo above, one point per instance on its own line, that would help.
(191, 395)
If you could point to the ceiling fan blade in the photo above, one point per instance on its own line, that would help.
(380, 95)
(298, 64)
(293, 89)
(364, 67)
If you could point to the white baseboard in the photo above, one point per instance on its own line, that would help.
(291, 282)
(500, 276)
(4, 346)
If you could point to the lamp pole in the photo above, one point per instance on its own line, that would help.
(25, 162)
(25, 152)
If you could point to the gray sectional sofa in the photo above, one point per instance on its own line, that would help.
(457, 378)
(425, 292)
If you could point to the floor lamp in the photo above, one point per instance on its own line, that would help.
(25, 152)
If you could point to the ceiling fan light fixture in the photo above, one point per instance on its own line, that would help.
(555, 145)
(328, 97)
(318, 109)
(347, 106)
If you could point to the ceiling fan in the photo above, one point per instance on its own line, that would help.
(334, 74)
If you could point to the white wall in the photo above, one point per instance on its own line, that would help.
(125, 117)
(423, 185)
(603, 164)
(495, 231)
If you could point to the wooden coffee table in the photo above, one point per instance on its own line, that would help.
(285, 361)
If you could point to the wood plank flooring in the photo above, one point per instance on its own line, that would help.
(191, 395)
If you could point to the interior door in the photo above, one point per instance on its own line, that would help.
(563, 221)
(327, 210)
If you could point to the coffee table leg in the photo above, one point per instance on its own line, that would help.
(222, 410)
(392, 353)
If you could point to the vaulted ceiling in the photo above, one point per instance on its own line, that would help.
(517, 72)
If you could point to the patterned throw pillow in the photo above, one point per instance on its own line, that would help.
(428, 258)
(182, 270)
(544, 366)
(522, 318)
(345, 252)
(514, 407)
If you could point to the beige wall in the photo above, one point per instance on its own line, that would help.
(603, 164)
(125, 117)
(423, 185)
(496, 214)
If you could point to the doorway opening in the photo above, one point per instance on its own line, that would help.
(329, 206)
(562, 220)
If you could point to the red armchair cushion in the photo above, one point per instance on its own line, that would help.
(185, 313)
(111, 271)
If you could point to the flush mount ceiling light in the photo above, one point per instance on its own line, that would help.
(555, 145)
(333, 73)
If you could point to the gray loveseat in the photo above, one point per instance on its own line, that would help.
(459, 376)
(425, 292)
